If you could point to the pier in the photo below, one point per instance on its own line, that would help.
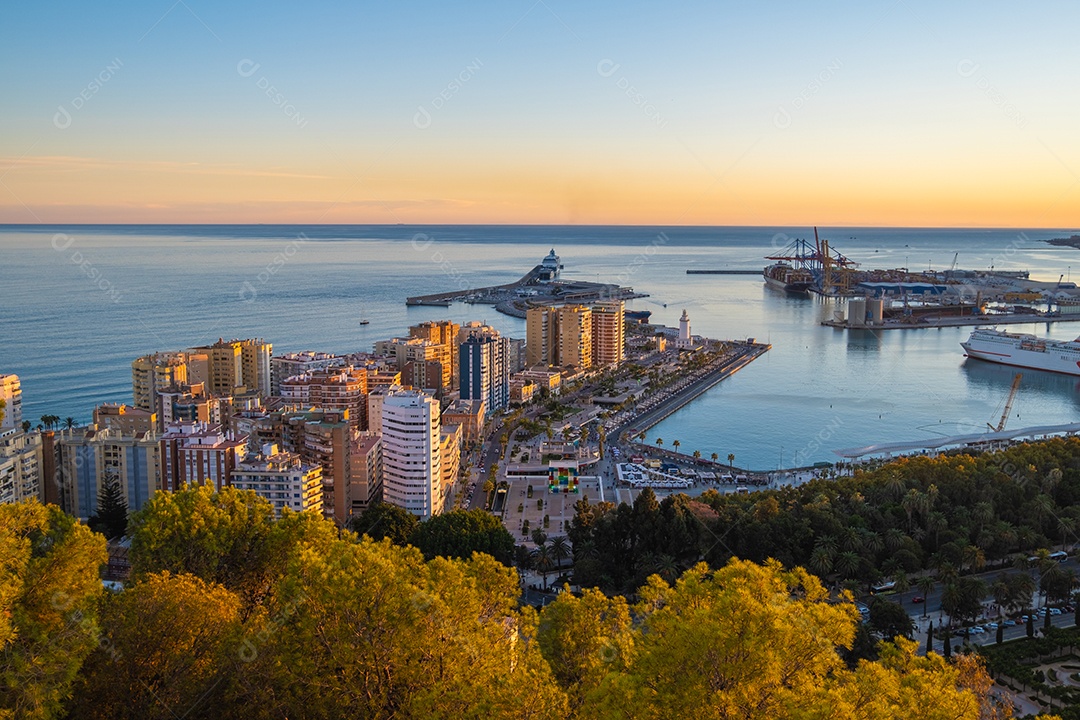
(955, 321)
(723, 272)
(640, 423)
(531, 290)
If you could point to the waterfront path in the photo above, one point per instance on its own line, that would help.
(687, 392)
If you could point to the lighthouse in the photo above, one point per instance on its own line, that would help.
(684, 342)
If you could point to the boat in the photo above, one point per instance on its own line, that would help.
(363, 318)
(785, 277)
(1024, 350)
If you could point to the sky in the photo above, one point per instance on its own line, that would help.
(904, 113)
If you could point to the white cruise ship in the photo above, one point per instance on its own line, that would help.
(1025, 351)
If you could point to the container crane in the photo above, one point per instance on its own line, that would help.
(1008, 404)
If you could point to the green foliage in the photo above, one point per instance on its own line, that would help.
(228, 537)
(169, 645)
(461, 533)
(890, 619)
(49, 585)
(111, 519)
(383, 520)
(914, 514)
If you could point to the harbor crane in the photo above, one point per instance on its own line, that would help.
(1008, 404)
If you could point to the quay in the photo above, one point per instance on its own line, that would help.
(955, 321)
(532, 289)
(747, 353)
(723, 272)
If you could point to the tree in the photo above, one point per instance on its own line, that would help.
(460, 533)
(170, 642)
(383, 520)
(371, 630)
(49, 585)
(659, 442)
(731, 459)
(715, 457)
(111, 519)
(675, 444)
(758, 642)
(228, 537)
(890, 619)
(543, 560)
(26, 425)
(583, 639)
(697, 454)
(560, 550)
(69, 423)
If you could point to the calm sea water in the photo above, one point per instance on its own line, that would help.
(79, 303)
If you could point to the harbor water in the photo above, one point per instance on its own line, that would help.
(80, 302)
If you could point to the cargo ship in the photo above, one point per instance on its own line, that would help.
(785, 277)
(1026, 351)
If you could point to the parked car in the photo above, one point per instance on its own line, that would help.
(1009, 623)
(1055, 611)
(918, 599)
(977, 630)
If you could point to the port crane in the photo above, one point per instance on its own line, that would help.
(828, 267)
(1008, 404)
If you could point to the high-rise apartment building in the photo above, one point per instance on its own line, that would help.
(199, 454)
(150, 374)
(608, 333)
(444, 333)
(21, 466)
(236, 364)
(484, 371)
(541, 337)
(88, 460)
(11, 394)
(290, 364)
(575, 341)
(365, 479)
(411, 450)
(331, 389)
(281, 478)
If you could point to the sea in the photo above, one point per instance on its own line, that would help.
(79, 302)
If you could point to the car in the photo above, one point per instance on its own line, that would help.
(1055, 611)
(977, 630)
(1009, 623)
(990, 626)
(918, 599)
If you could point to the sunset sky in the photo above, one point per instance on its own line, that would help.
(541, 111)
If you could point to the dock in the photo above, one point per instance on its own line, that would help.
(956, 321)
(516, 298)
(748, 353)
(723, 272)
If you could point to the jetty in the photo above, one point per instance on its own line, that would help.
(539, 287)
(723, 272)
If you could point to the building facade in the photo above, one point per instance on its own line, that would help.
(411, 451)
(282, 479)
(89, 459)
(485, 374)
(608, 333)
(21, 466)
(11, 394)
(199, 454)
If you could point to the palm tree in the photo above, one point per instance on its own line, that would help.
(70, 424)
(901, 581)
(697, 454)
(926, 586)
(560, 549)
(659, 442)
(821, 561)
(675, 444)
(715, 457)
(543, 560)
(847, 563)
(26, 425)
(731, 459)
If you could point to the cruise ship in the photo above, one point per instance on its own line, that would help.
(1026, 351)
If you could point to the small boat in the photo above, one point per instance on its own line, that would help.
(363, 319)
